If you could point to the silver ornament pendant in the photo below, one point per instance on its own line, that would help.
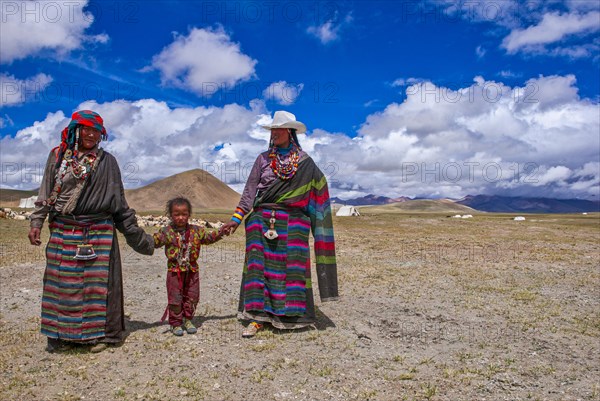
(271, 232)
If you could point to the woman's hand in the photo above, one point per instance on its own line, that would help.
(228, 228)
(34, 236)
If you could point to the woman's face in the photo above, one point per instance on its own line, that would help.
(180, 215)
(89, 137)
(281, 137)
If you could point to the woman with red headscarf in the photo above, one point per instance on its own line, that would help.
(82, 195)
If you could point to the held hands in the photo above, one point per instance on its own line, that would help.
(228, 228)
(34, 236)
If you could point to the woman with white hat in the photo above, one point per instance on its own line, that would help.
(285, 197)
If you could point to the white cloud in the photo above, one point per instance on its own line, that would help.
(485, 138)
(554, 27)
(556, 174)
(24, 155)
(480, 51)
(32, 27)
(151, 140)
(6, 121)
(582, 6)
(577, 51)
(283, 93)
(326, 32)
(14, 92)
(329, 30)
(540, 139)
(203, 62)
(508, 74)
(406, 81)
(559, 29)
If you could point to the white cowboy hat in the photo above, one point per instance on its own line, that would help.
(283, 119)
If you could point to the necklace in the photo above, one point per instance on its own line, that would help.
(80, 169)
(183, 258)
(284, 167)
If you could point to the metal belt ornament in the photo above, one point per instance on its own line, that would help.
(85, 251)
(271, 233)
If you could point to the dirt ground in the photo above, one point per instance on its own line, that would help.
(431, 308)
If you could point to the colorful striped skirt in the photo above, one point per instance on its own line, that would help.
(75, 291)
(276, 283)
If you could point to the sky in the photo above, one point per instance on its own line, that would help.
(435, 99)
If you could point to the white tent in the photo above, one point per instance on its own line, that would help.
(347, 210)
(28, 203)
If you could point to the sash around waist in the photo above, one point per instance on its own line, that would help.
(83, 220)
(294, 211)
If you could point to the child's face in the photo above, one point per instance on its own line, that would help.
(180, 215)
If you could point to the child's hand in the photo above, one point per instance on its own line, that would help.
(228, 228)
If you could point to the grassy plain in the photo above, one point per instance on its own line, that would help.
(430, 308)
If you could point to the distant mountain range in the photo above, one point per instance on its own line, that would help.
(507, 204)
(206, 191)
(370, 200)
(445, 206)
(493, 203)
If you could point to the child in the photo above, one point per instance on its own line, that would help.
(182, 247)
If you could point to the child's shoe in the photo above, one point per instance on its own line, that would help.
(189, 326)
(177, 330)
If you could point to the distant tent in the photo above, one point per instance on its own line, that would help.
(519, 218)
(28, 203)
(464, 216)
(347, 210)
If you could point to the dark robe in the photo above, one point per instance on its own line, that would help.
(103, 193)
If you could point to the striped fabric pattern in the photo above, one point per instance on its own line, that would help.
(75, 291)
(277, 272)
(308, 192)
(319, 209)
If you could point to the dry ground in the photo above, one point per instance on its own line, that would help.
(431, 308)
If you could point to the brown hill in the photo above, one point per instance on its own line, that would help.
(11, 197)
(202, 189)
(421, 206)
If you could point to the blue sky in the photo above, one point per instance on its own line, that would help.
(433, 99)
